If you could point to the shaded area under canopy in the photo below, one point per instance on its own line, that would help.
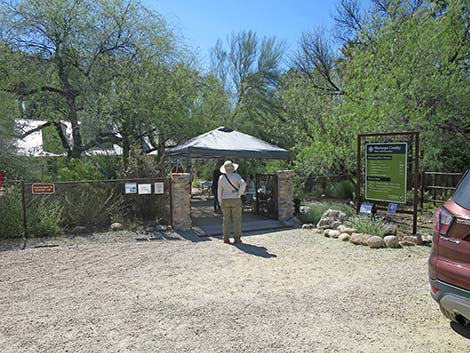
(224, 142)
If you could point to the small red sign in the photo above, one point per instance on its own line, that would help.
(43, 189)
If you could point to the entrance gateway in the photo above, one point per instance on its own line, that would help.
(274, 199)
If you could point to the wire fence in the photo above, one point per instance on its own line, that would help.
(48, 209)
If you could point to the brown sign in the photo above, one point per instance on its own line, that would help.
(43, 189)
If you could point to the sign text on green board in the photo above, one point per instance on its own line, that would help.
(386, 171)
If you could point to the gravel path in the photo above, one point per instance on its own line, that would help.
(289, 291)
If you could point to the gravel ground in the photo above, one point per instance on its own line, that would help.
(289, 291)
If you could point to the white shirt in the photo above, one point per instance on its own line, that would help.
(226, 191)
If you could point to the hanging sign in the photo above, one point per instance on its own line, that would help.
(386, 171)
(130, 188)
(43, 189)
(159, 188)
(145, 189)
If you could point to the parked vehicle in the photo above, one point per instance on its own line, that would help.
(449, 263)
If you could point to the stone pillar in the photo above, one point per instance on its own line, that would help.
(285, 194)
(181, 201)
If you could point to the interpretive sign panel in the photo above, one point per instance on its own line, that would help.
(386, 171)
(43, 189)
(131, 188)
(145, 189)
(159, 188)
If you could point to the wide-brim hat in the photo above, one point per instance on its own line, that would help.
(228, 167)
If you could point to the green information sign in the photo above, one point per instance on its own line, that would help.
(386, 169)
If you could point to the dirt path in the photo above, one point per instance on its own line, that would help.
(286, 292)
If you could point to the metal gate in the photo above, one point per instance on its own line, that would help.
(266, 195)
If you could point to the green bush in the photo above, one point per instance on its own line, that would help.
(343, 189)
(317, 210)
(370, 225)
(90, 205)
(43, 216)
(11, 221)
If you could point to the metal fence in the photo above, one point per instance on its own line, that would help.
(44, 209)
(437, 187)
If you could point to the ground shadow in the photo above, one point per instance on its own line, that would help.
(462, 330)
(260, 251)
(191, 236)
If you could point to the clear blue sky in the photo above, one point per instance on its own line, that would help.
(202, 22)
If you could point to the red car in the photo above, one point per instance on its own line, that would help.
(449, 263)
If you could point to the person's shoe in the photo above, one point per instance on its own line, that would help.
(226, 241)
(238, 241)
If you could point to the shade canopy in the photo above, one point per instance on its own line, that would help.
(224, 142)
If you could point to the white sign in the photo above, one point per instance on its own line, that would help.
(145, 189)
(131, 188)
(159, 188)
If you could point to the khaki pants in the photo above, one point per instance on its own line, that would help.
(232, 212)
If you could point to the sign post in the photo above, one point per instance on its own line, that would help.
(386, 168)
(386, 172)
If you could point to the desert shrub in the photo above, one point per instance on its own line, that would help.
(370, 225)
(90, 205)
(43, 216)
(11, 221)
(343, 189)
(317, 210)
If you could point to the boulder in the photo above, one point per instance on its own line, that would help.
(412, 239)
(345, 229)
(375, 242)
(308, 226)
(334, 234)
(331, 219)
(291, 222)
(116, 227)
(344, 237)
(365, 239)
(391, 241)
(406, 243)
(356, 238)
(326, 233)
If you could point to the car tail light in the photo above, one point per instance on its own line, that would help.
(434, 289)
(442, 221)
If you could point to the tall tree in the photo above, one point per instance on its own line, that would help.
(65, 46)
(250, 69)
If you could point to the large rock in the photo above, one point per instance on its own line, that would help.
(356, 238)
(391, 241)
(331, 219)
(365, 239)
(308, 226)
(116, 227)
(412, 239)
(326, 233)
(344, 237)
(406, 243)
(345, 229)
(334, 234)
(375, 242)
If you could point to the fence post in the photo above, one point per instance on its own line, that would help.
(25, 220)
(422, 190)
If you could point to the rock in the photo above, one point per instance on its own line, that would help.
(391, 241)
(331, 219)
(345, 229)
(365, 239)
(375, 242)
(406, 243)
(334, 234)
(116, 226)
(308, 226)
(344, 237)
(79, 230)
(412, 239)
(326, 233)
(356, 238)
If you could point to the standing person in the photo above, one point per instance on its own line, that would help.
(215, 182)
(230, 189)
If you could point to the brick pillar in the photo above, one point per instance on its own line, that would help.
(285, 194)
(181, 201)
